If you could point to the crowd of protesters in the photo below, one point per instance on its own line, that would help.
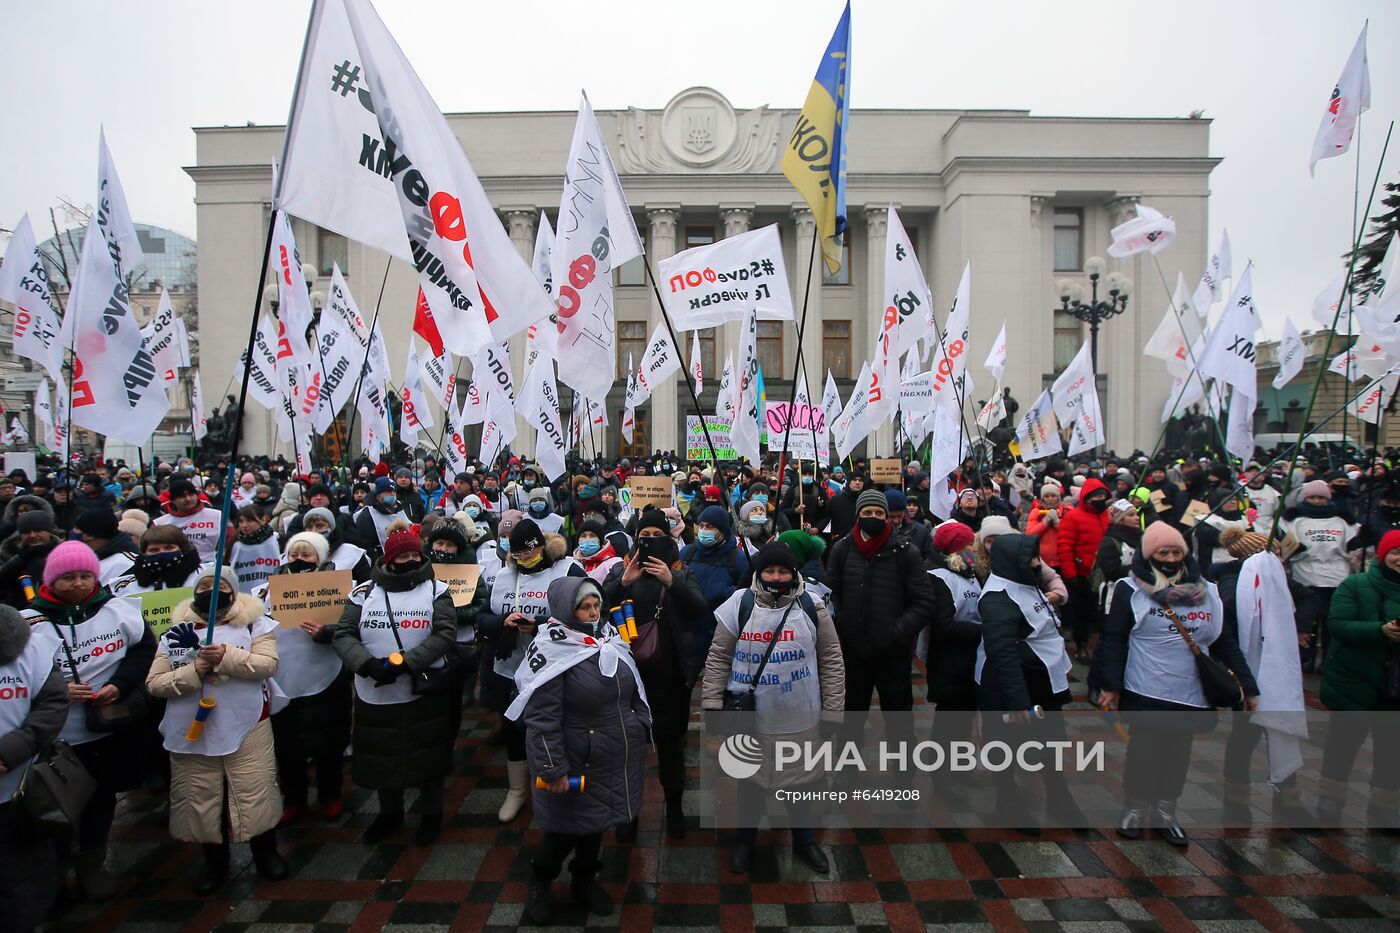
(996, 582)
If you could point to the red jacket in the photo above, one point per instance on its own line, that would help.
(1081, 530)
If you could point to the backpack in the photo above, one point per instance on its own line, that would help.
(688, 554)
(746, 608)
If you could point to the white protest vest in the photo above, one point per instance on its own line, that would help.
(98, 646)
(20, 681)
(966, 592)
(382, 522)
(254, 563)
(413, 615)
(1044, 639)
(1160, 665)
(304, 668)
(202, 528)
(347, 556)
(242, 497)
(241, 701)
(114, 566)
(789, 697)
(550, 524)
(528, 594)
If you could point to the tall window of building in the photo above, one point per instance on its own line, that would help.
(843, 275)
(836, 350)
(332, 249)
(707, 355)
(641, 434)
(1068, 339)
(631, 272)
(770, 349)
(699, 236)
(1069, 239)
(631, 341)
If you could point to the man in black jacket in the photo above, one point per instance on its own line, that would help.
(917, 534)
(883, 600)
(841, 509)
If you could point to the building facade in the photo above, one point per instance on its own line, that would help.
(1025, 199)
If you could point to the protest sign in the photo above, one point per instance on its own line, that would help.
(158, 606)
(721, 281)
(695, 447)
(461, 581)
(294, 598)
(808, 428)
(650, 490)
(886, 471)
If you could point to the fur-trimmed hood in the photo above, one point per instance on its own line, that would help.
(247, 610)
(555, 548)
(14, 634)
(12, 507)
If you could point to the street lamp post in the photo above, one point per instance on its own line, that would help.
(1094, 312)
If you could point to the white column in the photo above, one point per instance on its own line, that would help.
(520, 223)
(665, 433)
(864, 328)
(737, 218)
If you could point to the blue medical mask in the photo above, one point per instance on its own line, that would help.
(472, 511)
(806, 481)
(707, 537)
(759, 519)
(761, 499)
(538, 508)
(590, 547)
(389, 501)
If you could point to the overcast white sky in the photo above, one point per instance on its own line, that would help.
(151, 69)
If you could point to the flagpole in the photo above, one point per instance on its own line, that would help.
(957, 396)
(676, 346)
(1355, 196)
(360, 381)
(797, 362)
(1331, 331)
(1171, 300)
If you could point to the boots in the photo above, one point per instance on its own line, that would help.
(1331, 800)
(675, 814)
(518, 773)
(429, 828)
(97, 882)
(215, 869)
(1133, 820)
(269, 862)
(537, 899)
(585, 889)
(382, 825)
(1164, 820)
(1237, 813)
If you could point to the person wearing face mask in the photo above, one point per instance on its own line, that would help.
(232, 758)
(585, 715)
(1227, 511)
(1384, 518)
(1081, 530)
(1115, 556)
(187, 512)
(395, 635)
(104, 649)
(243, 492)
(596, 509)
(24, 554)
(594, 552)
(716, 561)
(883, 600)
(342, 554)
(372, 522)
(664, 595)
(517, 603)
(492, 543)
(490, 494)
(807, 683)
(1043, 522)
(316, 721)
(448, 542)
(1319, 565)
(165, 560)
(1263, 497)
(541, 511)
(255, 553)
(1144, 664)
(754, 527)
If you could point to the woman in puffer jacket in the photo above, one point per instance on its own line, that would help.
(234, 747)
(586, 720)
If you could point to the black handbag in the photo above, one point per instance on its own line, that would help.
(742, 701)
(1390, 678)
(432, 681)
(118, 717)
(1219, 684)
(54, 788)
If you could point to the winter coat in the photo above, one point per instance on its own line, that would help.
(48, 705)
(952, 643)
(719, 570)
(841, 510)
(920, 536)
(7, 524)
(881, 604)
(198, 782)
(1081, 530)
(1013, 676)
(1115, 554)
(17, 561)
(1357, 652)
(583, 723)
(1047, 531)
(401, 744)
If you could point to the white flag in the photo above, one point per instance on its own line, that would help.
(1344, 364)
(1239, 430)
(1072, 386)
(542, 337)
(831, 401)
(491, 371)
(1324, 306)
(262, 381)
(1087, 430)
(951, 383)
(949, 450)
(596, 235)
(1291, 354)
(199, 421)
(415, 413)
(474, 402)
(113, 217)
(294, 301)
(1373, 401)
(164, 338)
(629, 414)
(1169, 341)
(542, 263)
(1150, 230)
(1038, 433)
(24, 283)
(373, 403)
(17, 433)
(852, 426)
(696, 372)
(438, 375)
(540, 403)
(1229, 351)
(744, 431)
(498, 429)
(56, 432)
(996, 360)
(705, 286)
(659, 363)
(43, 403)
(725, 401)
(993, 411)
(1211, 288)
(906, 289)
(477, 285)
(455, 437)
(336, 170)
(1350, 98)
(342, 339)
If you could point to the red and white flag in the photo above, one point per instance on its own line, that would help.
(539, 403)
(165, 339)
(415, 415)
(996, 360)
(1350, 98)
(1291, 355)
(659, 363)
(24, 283)
(695, 369)
(1150, 231)
(951, 383)
(199, 422)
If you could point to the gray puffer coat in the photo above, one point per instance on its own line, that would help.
(583, 723)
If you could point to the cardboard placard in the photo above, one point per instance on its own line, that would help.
(461, 580)
(886, 471)
(1195, 511)
(650, 490)
(158, 606)
(1159, 500)
(294, 598)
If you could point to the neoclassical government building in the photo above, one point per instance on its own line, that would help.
(1026, 199)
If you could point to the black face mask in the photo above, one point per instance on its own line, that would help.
(169, 568)
(441, 557)
(203, 600)
(777, 588)
(405, 567)
(1391, 512)
(872, 526)
(301, 566)
(1097, 503)
(1167, 568)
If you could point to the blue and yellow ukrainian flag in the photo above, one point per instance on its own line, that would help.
(815, 161)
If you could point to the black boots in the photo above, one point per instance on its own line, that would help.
(812, 854)
(739, 857)
(585, 890)
(537, 900)
(429, 828)
(215, 870)
(383, 825)
(675, 815)
(269, 862)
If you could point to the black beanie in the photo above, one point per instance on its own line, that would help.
(180, 487)
(526, 536)
(773, 554)
(595, 527)
(100, 523)
(652, 517)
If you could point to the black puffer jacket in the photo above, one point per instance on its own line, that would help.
(841, 510)
(686, 620)
(36, 503)
(16, 561)
(920, 536)
(952, 643)
(881, 604)
(1014, 677)
(585, 723)
(401, 744)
